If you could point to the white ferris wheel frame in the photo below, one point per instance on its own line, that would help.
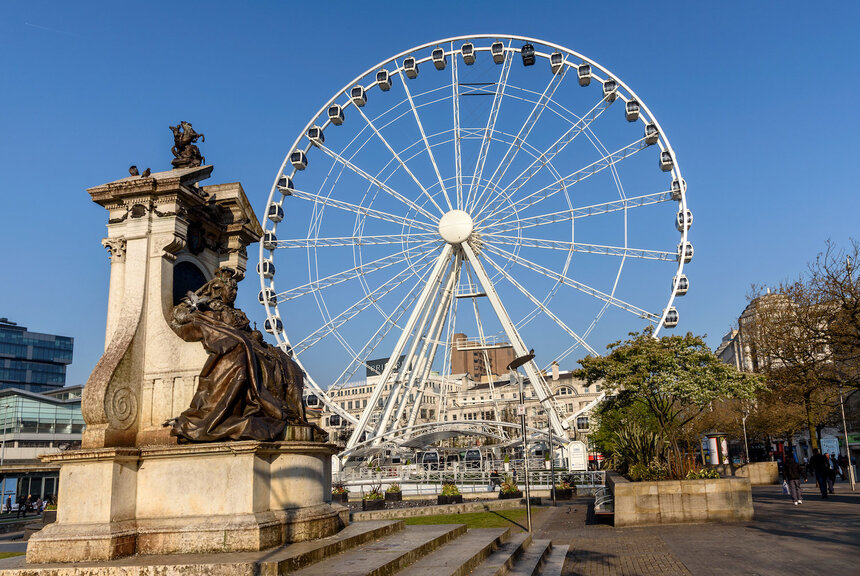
(558, 424)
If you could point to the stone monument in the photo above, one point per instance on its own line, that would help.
(195, 438)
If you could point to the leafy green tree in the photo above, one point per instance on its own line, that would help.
(674, 378)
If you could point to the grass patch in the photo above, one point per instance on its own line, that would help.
(514, 519)
(10, 554)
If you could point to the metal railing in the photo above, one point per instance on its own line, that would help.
(414, 479)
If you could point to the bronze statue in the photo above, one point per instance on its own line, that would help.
(186, 153)
(248, 390)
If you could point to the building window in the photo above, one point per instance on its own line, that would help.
(582, 423)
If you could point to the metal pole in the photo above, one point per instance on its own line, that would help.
(845, 433)
(551, 464)
(525, 451)
(746, 444)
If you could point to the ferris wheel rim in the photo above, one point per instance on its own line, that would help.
(663, 144)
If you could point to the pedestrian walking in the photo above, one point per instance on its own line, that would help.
(843, 465)
(818, 463)
(831, 472)
(8, 504)
(792, 475)
(22, 506)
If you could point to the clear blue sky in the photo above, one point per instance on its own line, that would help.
(759, 100)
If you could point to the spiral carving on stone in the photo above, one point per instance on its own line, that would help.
(121, 407)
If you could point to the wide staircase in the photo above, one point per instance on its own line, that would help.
(379, 548)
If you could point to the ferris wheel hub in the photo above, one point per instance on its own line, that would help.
(456, 226)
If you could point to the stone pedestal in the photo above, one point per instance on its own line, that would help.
(189, 498)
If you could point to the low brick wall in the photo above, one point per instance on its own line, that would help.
(759, 473)
(443, 509)
(680, 501)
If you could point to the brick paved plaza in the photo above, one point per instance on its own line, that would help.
(817, 537)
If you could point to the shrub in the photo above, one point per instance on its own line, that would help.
(394, 488)
(647, 472)
(509, 486)
(702, 474)
(339, 489)
(375, 493)
(450, 489)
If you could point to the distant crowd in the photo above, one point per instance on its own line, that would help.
(823, 468)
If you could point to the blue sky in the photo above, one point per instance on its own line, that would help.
(757, 98)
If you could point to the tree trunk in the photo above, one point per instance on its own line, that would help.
(810, 425)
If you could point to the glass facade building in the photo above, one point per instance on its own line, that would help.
(32, 361)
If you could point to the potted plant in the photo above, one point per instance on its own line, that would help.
(373, 500)
(50, 514)
(507, 463)
(450, 494)
(546, 463)
(393, 493)
(563, 490)
(339, 493)
(509, 489)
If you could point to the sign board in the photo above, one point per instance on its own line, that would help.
(521, 410)
(577, 455)
(375, 367)
(829, 445)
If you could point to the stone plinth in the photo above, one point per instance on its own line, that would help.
(189, 498)
(759, 473)
(680, 501)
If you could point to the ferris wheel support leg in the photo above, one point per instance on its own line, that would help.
(438, 270)
(423, 360)
(517, 343)
(429, 352)
(400, 392)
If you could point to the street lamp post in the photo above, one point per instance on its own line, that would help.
(551, 453)
(845, 433)
(3, 454)
(746, 444)
(513, 366)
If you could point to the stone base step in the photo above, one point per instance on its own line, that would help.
(264, 563)
(503, 559)
(460, 556)
(530, 562)
(554, 563)
(387, 555)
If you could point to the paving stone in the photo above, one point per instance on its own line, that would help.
(460, 556)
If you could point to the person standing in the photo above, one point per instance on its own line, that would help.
(9, 504)
(22, 506)
(819, 466)
(843, 465)
(792, 475)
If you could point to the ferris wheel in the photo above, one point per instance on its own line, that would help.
(498, 186)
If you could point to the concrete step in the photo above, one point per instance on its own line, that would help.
(530, 562)
(554, 562)
(388, 555)
(460, 556)
(502, 560)
(295, 556)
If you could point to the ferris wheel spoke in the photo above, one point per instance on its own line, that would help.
(491, 127)
(523, 134)
(376, 182)
(397, 157)
(545, 158)
(426, 143)
(458, 159)
(620, 251)
(511, 223)
(390, 321)
(363, 210)
(578, 176)
(355, 240)
(352, 273)
(584, 288)
(372, 298)
(542, 306)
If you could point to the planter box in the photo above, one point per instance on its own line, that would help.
(680, 501)
(393, 496)
(49, 516)
(458, 499)
(564, 494)
(372, 505)
(510, 495)
(340, 498)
